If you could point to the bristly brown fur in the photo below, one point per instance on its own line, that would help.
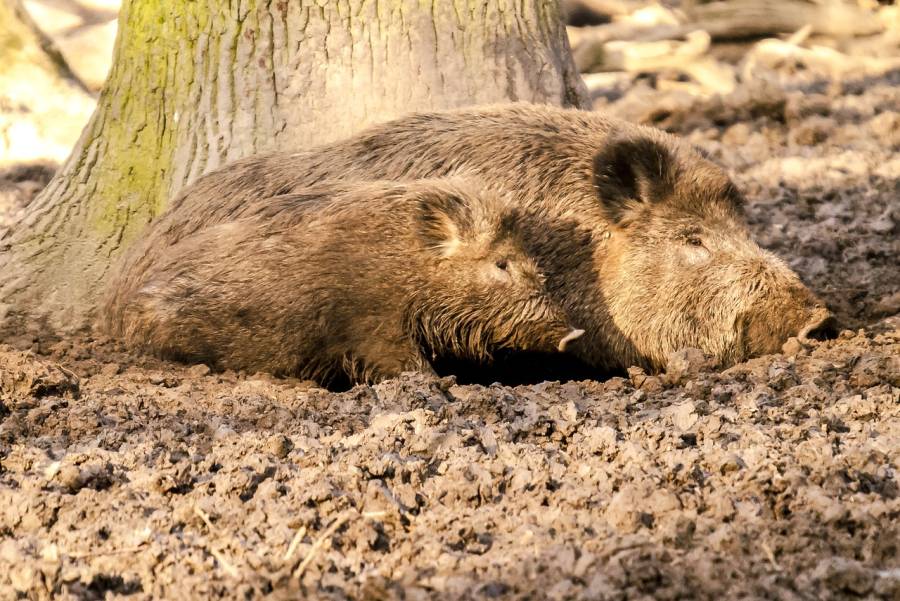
(641, 238)
(347, 282)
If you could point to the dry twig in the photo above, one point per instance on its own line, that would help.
(337, 523)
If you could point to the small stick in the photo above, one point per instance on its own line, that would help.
(768, 551)
(337, 523)
(226, 565)
(295, 542)
(372, 515)
(205, 517)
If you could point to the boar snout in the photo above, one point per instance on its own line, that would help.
(822, 325)
(783, 307)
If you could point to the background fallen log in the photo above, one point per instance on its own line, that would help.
(737, 19)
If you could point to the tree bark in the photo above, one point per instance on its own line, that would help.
(196, 84)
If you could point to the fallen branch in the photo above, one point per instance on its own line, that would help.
(735, 19)
(653, 56)
(771, 53)
(588, 42)
(688, 57)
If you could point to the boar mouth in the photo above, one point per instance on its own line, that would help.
(822, 326)
(758, 336)
(573, 335)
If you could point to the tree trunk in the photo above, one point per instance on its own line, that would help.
(197, 84)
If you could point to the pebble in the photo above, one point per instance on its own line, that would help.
(279, 445)
(198, 371)
(732, 463)
(792, 347)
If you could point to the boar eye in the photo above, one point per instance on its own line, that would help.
(502, 264)
(694, 241)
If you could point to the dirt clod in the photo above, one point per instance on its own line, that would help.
(23, 375)
(686, 363)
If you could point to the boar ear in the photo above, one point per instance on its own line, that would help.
(441, 221)
(629, 171)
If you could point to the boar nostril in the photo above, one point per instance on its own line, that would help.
(822, 326)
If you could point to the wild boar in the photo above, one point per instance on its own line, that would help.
(352, 282)
(643, 240)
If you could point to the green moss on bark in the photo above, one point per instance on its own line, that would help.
(135, 121)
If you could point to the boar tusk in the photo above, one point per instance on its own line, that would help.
(573, 335)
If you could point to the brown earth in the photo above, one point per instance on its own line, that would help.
(126, 477)
(774, 479)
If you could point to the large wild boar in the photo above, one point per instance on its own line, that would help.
(644, 241)
(353, 282)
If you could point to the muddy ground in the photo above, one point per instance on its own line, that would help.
(126, 477)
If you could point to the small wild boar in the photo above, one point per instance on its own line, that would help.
(642, 239)
(353, 282)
